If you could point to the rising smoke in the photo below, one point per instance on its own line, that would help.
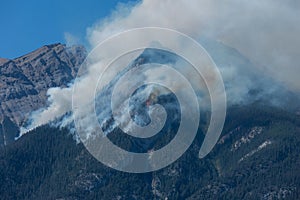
(265, 32)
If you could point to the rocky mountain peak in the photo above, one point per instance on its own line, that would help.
(25, 80)
(3, 60)
(39, 52)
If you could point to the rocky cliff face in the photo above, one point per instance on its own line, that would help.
(25, 80)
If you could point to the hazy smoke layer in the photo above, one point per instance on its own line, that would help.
(266, 32)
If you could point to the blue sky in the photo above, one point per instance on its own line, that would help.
(30, 24)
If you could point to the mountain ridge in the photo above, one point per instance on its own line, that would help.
(257, 156)
(25, 80)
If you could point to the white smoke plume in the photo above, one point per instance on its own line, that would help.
(59, 103)
(266, 32)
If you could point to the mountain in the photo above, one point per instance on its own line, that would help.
(257, 157)
(25, 80)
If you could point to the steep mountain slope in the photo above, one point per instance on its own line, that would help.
(257, 156)
(62, 169)
(24, 81)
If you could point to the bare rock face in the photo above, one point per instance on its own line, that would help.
(3, 60)
(25, 80)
